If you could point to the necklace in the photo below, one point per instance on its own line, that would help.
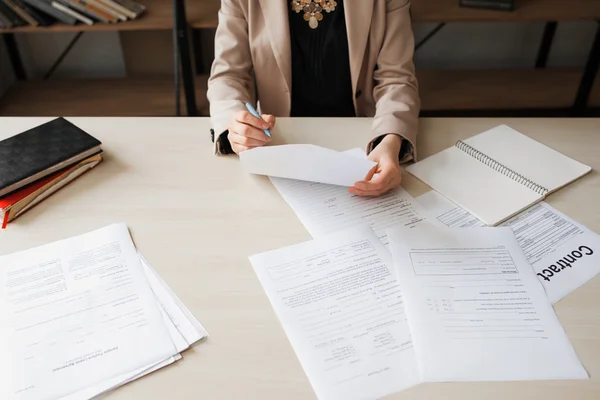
(313, 9)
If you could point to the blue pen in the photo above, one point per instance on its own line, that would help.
(255, 113)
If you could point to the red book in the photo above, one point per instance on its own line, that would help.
(16, 203)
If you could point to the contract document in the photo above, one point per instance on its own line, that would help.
(475, 308)
(340, 305)
(563, 253)
(324, 209)
(76, 313)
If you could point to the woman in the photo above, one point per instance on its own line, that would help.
(317, 58)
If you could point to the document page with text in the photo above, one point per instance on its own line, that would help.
(446, 212)
(324, 209)
(340, 305)
(184, 328)
(76, 313)
(476, 310)
(563, 253)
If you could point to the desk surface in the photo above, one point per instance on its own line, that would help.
(197, 218)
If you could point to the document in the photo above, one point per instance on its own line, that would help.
(306, 162)
(564, 254)
(447, 212)
(339, 303)
(182, 329)
(178, 314)
(475, 308)
(324, 209)
(76, 313)
(103, 388)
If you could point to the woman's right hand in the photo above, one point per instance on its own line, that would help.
(247, 132)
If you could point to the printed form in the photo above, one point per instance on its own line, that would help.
(340, 305)
(475, 308)
(563, 253)
(324, 209)
(184, 329)
(76, 313)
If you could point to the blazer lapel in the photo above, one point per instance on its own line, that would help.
(277, 21)
(358, 14)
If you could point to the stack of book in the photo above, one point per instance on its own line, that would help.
(15, 13)
(503, 5)
(38, 162)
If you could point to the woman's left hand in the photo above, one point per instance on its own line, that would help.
(388, 175)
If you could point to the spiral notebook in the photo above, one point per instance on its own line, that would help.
(498, 173)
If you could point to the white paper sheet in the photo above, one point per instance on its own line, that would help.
(185, 322)
(182, 330)
(340, 306)
(140, 373)
(98, 391)
(563, 253)
(475, 308)
(324, 209)
(447, 212)
(77, 312)
(306, 162)
(102, 388)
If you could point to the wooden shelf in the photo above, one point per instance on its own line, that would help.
(439, 90)
(526, 10)
(203, 14)
(450, 11)
(498, 89)
(98, 97)
(158, 16)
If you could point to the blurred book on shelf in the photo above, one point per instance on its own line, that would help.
(16, 13)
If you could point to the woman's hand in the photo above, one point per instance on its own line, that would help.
(247, 132)
(388, 177)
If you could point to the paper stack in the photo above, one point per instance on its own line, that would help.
(564, 253)
(83, 316)
(445, 306)
(387, 296)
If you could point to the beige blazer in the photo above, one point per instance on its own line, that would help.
(253, 63)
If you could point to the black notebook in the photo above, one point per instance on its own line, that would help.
(38, 152)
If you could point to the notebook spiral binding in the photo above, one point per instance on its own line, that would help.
(503, 169)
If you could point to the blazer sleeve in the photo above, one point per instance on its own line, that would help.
(231, 82)
(396, 91)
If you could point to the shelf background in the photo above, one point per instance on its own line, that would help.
(146, 46)
(203, 14)
(439, 90)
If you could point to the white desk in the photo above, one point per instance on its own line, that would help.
(197, 218)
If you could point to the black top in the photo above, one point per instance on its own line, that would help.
(321, 81)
